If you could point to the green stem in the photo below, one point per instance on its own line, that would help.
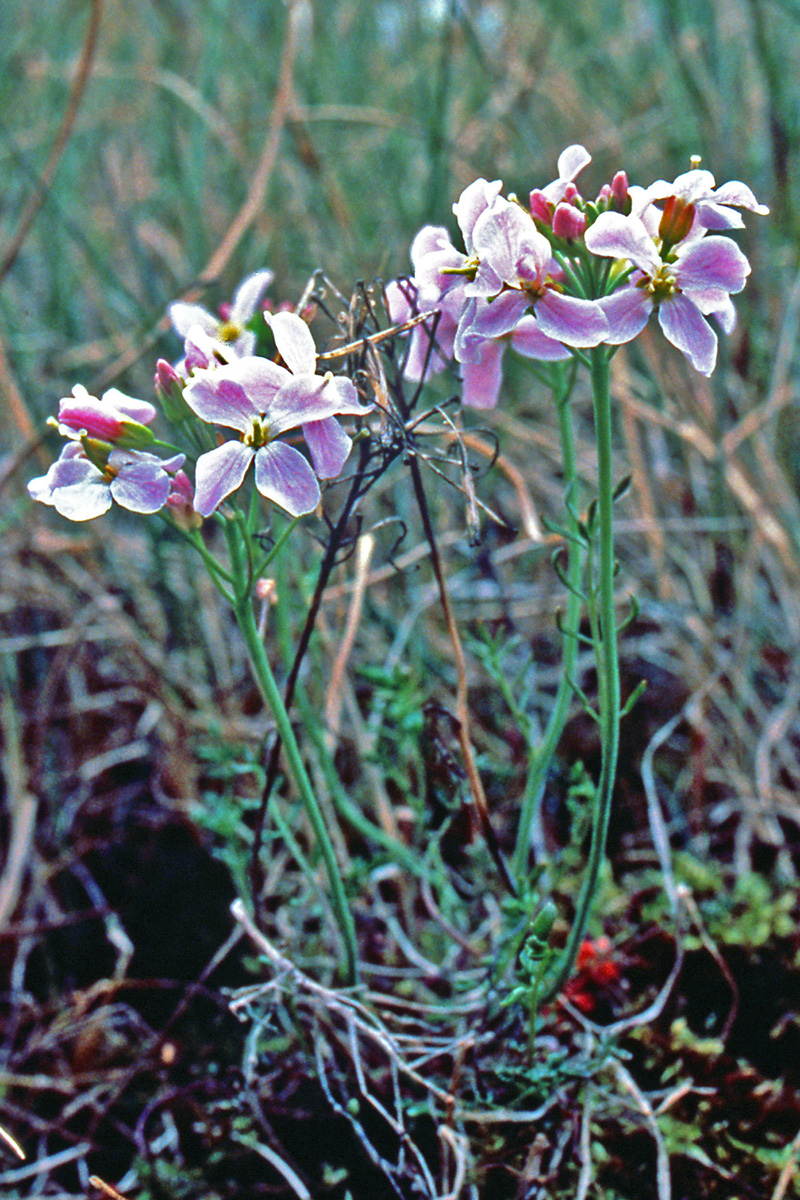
(542, 757)
(245, 617)
(607, 670)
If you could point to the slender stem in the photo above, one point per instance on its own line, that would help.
(245, 617)
(607, 670)
(542, 756)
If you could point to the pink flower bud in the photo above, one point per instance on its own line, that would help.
(620, 200)
(90, 419)
(116, 419)
(541, 209)
(166, 377)
(568, 222)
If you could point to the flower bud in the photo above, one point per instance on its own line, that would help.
(541, 208)
(620, 200)
(676, 221)
(90, 418)
(568, 222)
(169, 390)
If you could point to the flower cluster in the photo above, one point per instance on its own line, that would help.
(553, 278)
(110, 453)
(536, 276)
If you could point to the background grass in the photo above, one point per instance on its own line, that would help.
(127, 710)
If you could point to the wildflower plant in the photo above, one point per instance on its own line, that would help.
(261, 419)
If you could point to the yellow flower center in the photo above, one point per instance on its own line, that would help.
(229, 331)
(258, 434)
(662, 285)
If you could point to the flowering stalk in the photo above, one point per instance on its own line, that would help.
(542, 755)
(605, 639)
(245, 618)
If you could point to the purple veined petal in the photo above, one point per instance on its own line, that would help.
(528, 340)
(572, 161)
(725, 316)
(718, 216)
(184, 316)
(401, 299)
(134, 410)
(140, 487)
(233, 394)
(294, 341)
(312, 398)
(79, 490)
(433, 254)
(571, 320)
(248, 295)
(200, 351)
(120, 458)
(616, 236)
(328, 445)
(343, 392)
(472, 203)
(491, 320)
(242, 346)
(739, 194)
(506, 238)
(218, 473)
(627, 311)
(431, 239)
(690, 186)
(482, 380)
(64, 472)
(284, 476)
(220, 400)
(715, 262)
(685, 326)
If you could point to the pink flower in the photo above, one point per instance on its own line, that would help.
(516, 272)
(262, 400)
(79, 489)
(713, 206)
(696, 279)
(229, 330)
(115, 418)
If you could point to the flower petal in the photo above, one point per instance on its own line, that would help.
(528, 340)
(294, 340)
(135, 410)
(218, 473)
(312, 398)
(571, 320)
(284, 476)
(328, 445)
(233, 394)
(78, 489)
(139, 485)
(739, 194)
(686, 327)
(627, 311)
(616, 236)
(184, 316)
(473, 201)
(482, 320)
(714, 262)
(508, 244)
(248, 294)
(482, 380)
